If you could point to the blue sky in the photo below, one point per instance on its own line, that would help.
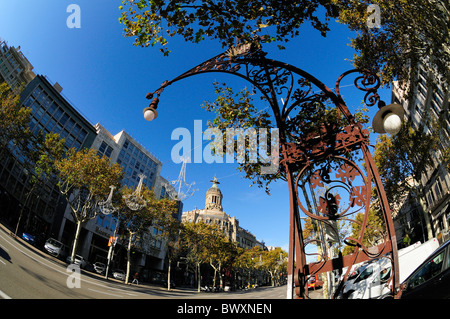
(106, 78)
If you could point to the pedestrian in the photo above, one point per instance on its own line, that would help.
(135, 279)
(406, 241)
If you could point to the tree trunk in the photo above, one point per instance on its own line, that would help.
(168, 274)
(75, 242)
(23, 207)
(215, 274)
(220, 277)
(199, 278)
(128, 258)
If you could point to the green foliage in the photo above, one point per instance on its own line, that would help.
(237, 111)
(411, 32)
(402, 157)
(152, 22)
(85, 179)
(374, 231)
(47, 150)
(14, 119)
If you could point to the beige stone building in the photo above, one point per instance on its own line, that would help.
(213, 214)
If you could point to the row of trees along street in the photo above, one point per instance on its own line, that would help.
(205, 244)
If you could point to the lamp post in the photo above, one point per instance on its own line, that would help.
(315, 148)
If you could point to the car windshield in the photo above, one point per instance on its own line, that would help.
(365, 274)
(54, 242)
(428, 271)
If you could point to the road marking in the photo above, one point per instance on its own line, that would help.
(83, 278)
(102, 292)
(28, 255)
(4, 296)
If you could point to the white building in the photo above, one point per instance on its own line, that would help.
(15, 68)
(428, 103)
(135, 160)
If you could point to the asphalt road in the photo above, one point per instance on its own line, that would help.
(28, 273)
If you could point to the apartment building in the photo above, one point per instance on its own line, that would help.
(15, 69)
(51, 112)
(428, 108)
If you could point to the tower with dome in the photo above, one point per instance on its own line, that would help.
(213, 214)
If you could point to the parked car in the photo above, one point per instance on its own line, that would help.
(119, 274)
(79, 260)
(29, 238)
(56, 248)
(373, 281)
(431, 279)
(99, 267)
(347, 289)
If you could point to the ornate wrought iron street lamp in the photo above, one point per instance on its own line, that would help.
(321, 143)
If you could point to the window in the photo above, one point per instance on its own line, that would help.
(70, 125)
(82, 135)
(365, 274)
(76, 130)
(64, 119)
(429, 270)
(102, 147)
(105, 149)
(52, 108)
(59, 112)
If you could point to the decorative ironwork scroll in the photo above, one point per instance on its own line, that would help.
(320, 146)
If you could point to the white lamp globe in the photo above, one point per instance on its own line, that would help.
(150, 114)
(392, 123)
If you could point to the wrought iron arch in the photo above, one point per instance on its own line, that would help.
(315, 152)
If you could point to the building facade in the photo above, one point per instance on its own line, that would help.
(213, 214)
(51, 112)
(427, 108)
(149, 251)
(15, 69)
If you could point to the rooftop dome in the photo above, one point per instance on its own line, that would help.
(214, 187)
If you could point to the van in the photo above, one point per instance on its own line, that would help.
(55, 248)
(373, 281)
